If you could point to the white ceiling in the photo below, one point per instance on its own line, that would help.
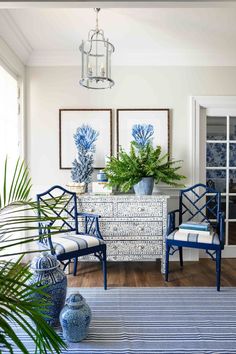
(141, 36)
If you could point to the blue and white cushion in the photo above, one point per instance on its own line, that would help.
(70, 243)
(179, 235)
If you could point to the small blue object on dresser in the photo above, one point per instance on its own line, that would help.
(193, 225)
(101, 176)
(75, 318)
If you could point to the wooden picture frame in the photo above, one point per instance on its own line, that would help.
(70, 120)
(158, 117)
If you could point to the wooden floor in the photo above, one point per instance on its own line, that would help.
(141, 274)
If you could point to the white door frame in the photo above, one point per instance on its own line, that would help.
(197, 104)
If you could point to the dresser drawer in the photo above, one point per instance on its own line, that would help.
(134, 248)
(135, 238)
(132, 228)
(139, 209)
(102, 209)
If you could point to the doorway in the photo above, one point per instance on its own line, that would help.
(214, 154)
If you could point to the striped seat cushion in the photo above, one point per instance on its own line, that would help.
(69, 243)
(178, 235)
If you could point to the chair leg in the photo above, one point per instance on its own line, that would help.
(218, 269)
(75, 265)
(181, 256)
(104, 268)
(167, 262)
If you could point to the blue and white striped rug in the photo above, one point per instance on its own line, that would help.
(159, 320)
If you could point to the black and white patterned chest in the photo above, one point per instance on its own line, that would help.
(132, 226)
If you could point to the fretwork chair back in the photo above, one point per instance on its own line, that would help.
(202, 204)
(69, 234)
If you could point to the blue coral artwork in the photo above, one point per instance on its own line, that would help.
(82, 166)
(85, 138)
(143, 126)
(84, 130)
(142, 134)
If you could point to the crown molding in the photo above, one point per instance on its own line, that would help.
(13, 36)
(117, 4)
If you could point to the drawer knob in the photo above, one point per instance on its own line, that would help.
(91, 210)
(115, 228)
(141, 247)
(141, 209)
(140, 228)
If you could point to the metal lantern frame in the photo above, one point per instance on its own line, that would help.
(96, 54)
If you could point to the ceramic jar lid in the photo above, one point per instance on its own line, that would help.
(75, 300)
(45, 261)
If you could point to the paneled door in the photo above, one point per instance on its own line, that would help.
(220, 164)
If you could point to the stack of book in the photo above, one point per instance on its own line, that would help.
(192, 227)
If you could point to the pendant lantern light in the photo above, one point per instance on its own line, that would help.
(96, 54)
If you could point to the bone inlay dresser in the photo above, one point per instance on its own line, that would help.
(132, 226)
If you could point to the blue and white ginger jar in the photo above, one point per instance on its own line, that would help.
(101, 176)
(46, 271)
(75, 318)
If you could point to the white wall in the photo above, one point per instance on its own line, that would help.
(51, 88)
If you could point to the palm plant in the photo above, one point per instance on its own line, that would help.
(17, 306)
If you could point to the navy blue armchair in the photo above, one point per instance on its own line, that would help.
(202, 204)
(70, 234)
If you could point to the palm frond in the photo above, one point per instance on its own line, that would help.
(5, 183)
(13, 181)
(21, 306)
(18, 213)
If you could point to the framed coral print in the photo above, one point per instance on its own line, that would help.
(130, 119)
(70, 120)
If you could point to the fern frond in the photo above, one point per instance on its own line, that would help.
(128, 169)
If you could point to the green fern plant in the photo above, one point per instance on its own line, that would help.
(128, 169)
(18, 214)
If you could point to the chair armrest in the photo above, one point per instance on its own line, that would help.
(89, 215)
(44, 228)
(91, 224)
(221, 228)
(44, 223)
(45, 235)
(171, 221)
